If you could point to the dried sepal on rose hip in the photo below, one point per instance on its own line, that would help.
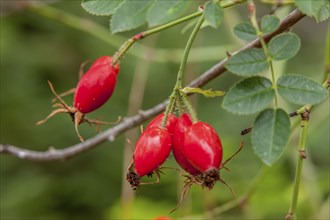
(152, 149)
(92, 91)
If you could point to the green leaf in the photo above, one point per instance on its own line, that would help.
(207, 93)
(300, 90)
(284, 46)
(324, 13)
(213, 14)
(314, 8)
(269, 23)
(130, 15)
(165, 11)
(101, 7)
(249, 96)
(248, 62)
(270, 134)
(245, 31)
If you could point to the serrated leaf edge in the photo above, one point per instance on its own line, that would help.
(302, 77)
(132, 28)
(242, 113)
(96, 14)
(270, 163)
(283, 48)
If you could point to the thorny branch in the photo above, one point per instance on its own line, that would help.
(53, 154)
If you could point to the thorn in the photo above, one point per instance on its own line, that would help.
(292, 114)
(138, 36)
(302, 154)
(52, 149)
(141, 112)
(246, 131)
(288, 216)
(251, 8)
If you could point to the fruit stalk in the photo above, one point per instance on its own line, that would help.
(178, 85)
(127, 44)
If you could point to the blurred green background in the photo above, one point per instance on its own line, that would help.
(35, 49)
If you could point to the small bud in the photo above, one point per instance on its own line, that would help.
(302, 154)
(251, 8)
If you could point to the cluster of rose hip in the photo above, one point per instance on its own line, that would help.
(196, 148)
(195, 145)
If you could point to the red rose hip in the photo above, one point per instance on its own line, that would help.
(170, 124)
(96, 86)
(92, 91)
(183, 123)
(203, 149)
(151, 151)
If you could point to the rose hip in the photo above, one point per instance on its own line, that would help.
(170, 124)
(96, 86)
(202, 148)
(92, 91)
(151, 151)
(183, 123)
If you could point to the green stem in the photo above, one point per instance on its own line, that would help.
(277, 3)
(190, 108)
(301, 156)
(178, 85)
(179, 104)
(122, 50)
(326, 84)
(169, 108)
(102, 33)
(183, 63)
(171, 24)
(304, 112)
(264, 46)
(327, 56)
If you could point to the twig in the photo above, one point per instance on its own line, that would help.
(63, 154)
